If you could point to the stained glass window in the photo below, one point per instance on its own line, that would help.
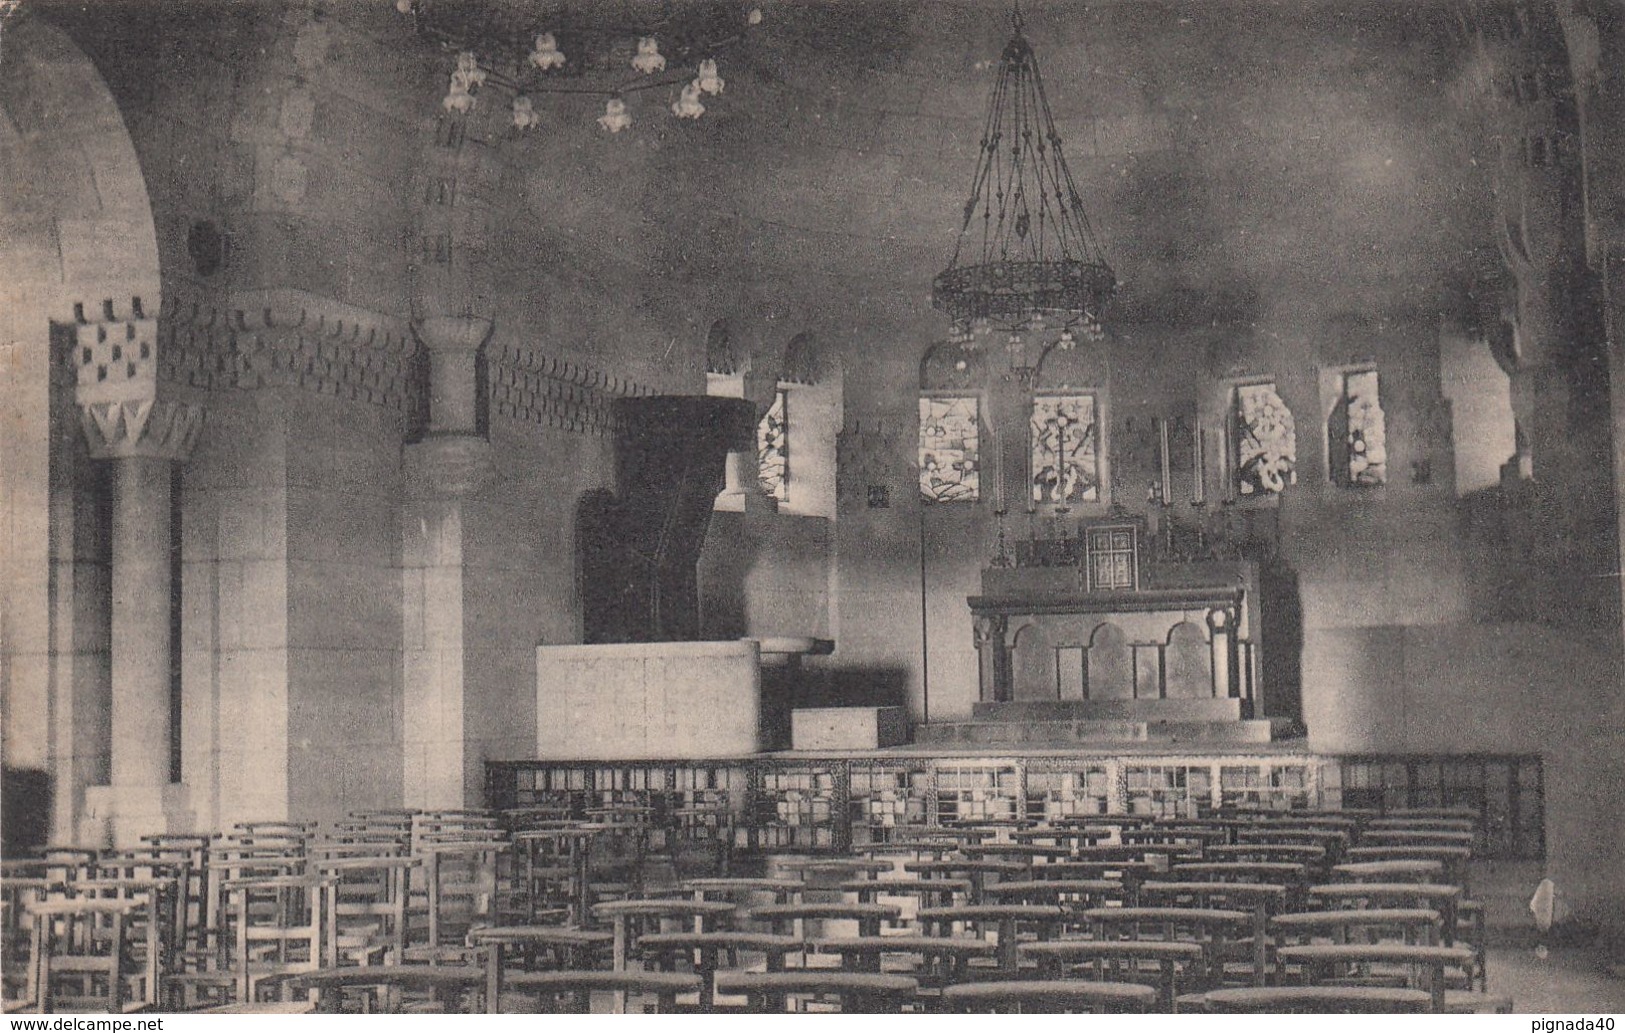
(1065, 449)
(1357, 433)
(949, 449)
(773, 450)
(1265, 444)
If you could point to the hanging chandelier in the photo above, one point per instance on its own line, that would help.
(1026, 258)
(529, 48)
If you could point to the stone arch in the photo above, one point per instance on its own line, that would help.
(1188, 662)
(1111, 663)
(77, 243)
(1033, 662)
(947, 366)
(801, 359)
(720, 356)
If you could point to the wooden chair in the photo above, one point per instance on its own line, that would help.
(791, 919)
(552, 865)
(539, 948)
(282, 926)
(935, 961)
(460, 893)
(1442, 824)
(1212, 928)
(17, 893)
(707, 953)
(1357, 925)
(1315, 1000)
(1068, 894)
(859, 992)
(1060, 835)
(391, 989)
(1401, 870)
(1323, 962)
(924, 892)
(1431, 896)
(572, 992)
(1282, 873)
(150, 928)
(632, 919)
(1260, 899)
(1174, 967)
(1007, 921)
(783, 891)
(981, 873)
(1046, 996)
(81, 958)
(1453, 859)
(370, 897)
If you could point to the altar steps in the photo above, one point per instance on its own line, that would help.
(1099, 723)
(1199, 709)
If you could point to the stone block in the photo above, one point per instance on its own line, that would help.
(648, 701)
(847, 728)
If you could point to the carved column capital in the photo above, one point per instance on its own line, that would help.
(453, 333)
(116, 385)
(141, 429)
(989, 629)
(453, 343)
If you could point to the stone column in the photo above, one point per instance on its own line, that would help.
(143, 437)
(993, 657)
(450, 464)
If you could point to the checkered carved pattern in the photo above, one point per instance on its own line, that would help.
(115, 361)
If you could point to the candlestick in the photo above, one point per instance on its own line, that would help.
(1199, 469)
(1167, 471)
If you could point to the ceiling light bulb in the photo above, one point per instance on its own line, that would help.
(469, 70)
(648, 59)
(547, 54)
(688, 104)
(709, 81)
(615, 117)
(524, 113)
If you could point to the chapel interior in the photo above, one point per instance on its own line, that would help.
(473, 471)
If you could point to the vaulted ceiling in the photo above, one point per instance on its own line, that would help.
(1237, 157)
